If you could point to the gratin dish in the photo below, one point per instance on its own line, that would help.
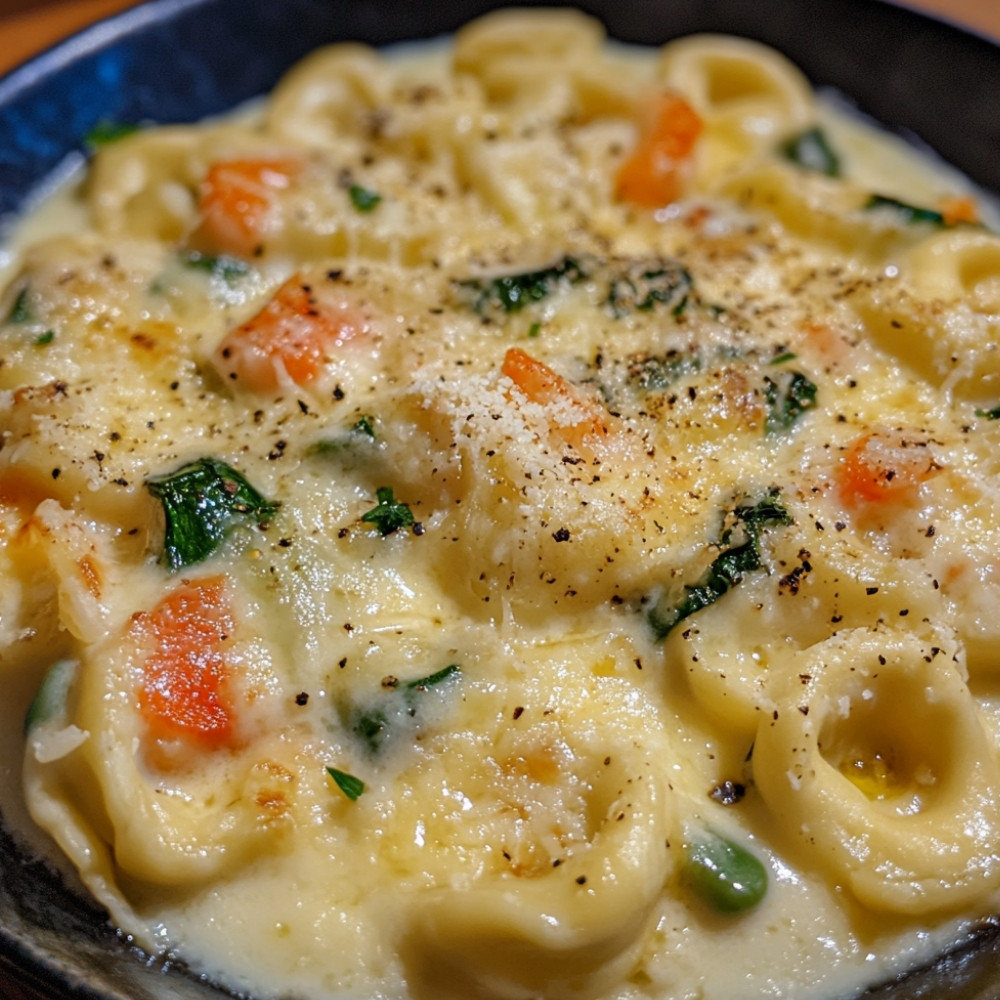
(163, 62)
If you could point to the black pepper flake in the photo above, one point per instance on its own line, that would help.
(728, 793)
(302, 698)
(56, 473)
(581, 880)
(562, 535)
(518, 712)
(871, 590)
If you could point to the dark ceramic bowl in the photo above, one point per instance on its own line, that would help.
(179, 60)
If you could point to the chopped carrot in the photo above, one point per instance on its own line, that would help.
(290, 338)
(956, 209)
(653, 174)
(185, 694)
(878, 468)
(577, 420)
(824, 343)
(237, 202)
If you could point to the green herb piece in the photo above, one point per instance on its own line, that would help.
(20, 311)
(352, 787)
(46, 338)
(375, 726)
(50, 700)
(365, 425)
(785, 356)
(363, 199)
(534, 330)
(389, 514)
(728, 568)
(787, 395)
(513, 292)
(105, 132)
(654, 374)
(202, 502)
(765, 513)
(906, 213)
(811, 150)
(647, 285)
(993, 414)
(223, 266)
(723, 874)
(433, 680)
(372, 727)
(361, 437)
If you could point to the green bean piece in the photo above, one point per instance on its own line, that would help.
(723, 874)
(50, 699)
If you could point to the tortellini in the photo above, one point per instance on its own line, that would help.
(845, 763)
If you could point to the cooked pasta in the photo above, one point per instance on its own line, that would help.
(511, 519)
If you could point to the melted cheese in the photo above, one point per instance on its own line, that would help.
(438, 537)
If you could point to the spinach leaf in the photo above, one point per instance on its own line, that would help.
(654, 374)
(906, 213)
(223, 266)
(363, 199)
(728, 568)
(201, 502)
(811, 150)
(513, 292)
(648, 284)
(365, 424)
(787, 396)
(20, 311)
(359, 442)
(376, 725)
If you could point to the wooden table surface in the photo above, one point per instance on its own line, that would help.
(36, 25)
